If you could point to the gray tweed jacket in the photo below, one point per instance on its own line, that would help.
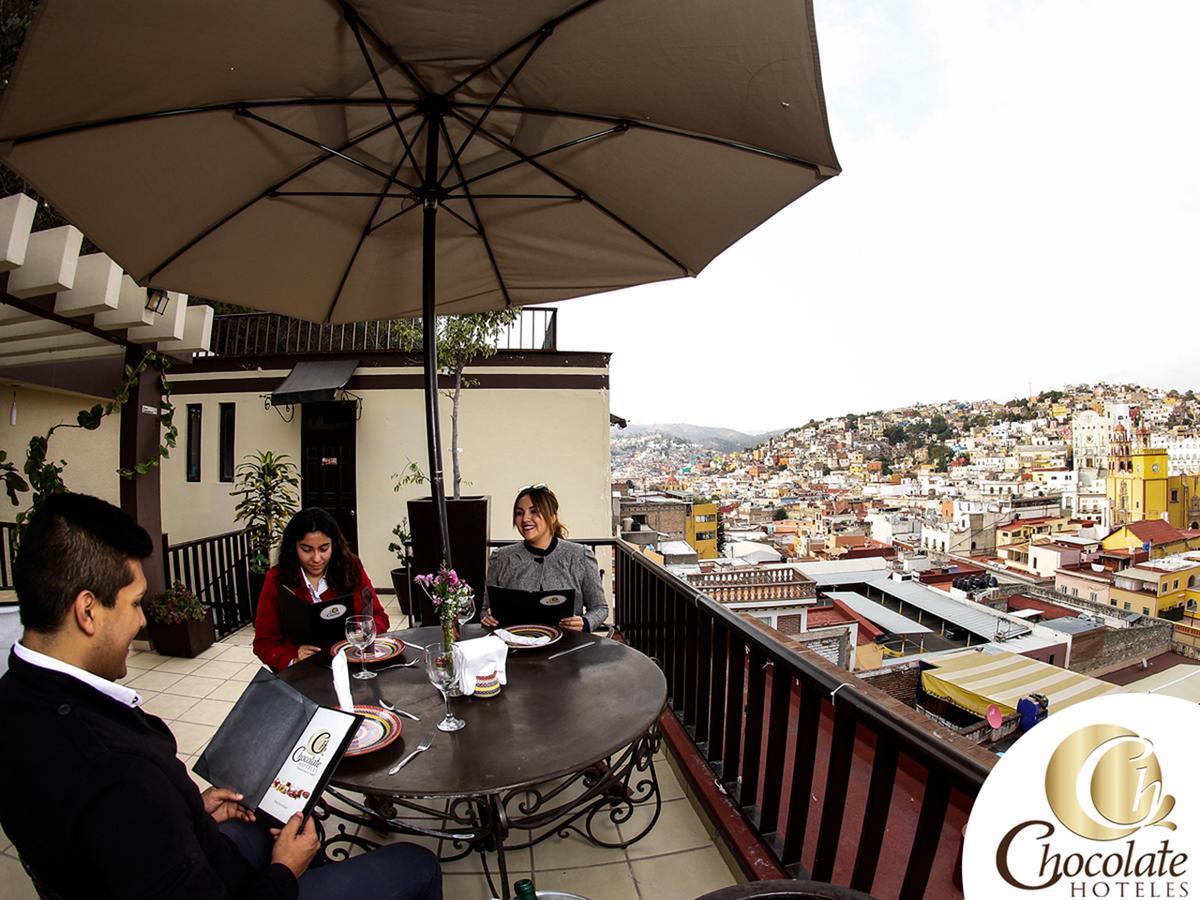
(565, 565)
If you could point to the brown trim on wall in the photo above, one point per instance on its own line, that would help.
(494, 381)
(551, 359)
(93, 377)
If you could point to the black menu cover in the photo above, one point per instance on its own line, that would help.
(277, 748)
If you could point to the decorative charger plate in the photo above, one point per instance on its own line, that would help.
(386, 648)
(532, 631)
(378, 728)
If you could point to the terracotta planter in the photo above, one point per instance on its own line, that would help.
(187, 639)
(469, 531)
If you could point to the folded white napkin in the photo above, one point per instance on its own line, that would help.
(479, 656)
(341, 681)
(521, 639)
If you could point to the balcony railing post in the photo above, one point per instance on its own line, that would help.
(879, 798)
(716, 695)
(833, 802)
(778, 709)
(735, 709)
(804, 759)
(756, 689)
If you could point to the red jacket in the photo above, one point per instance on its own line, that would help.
(270, 643)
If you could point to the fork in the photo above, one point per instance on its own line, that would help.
(421, 748)
(403, 665)
(398, 711)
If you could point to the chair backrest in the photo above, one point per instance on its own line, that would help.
(786, 890)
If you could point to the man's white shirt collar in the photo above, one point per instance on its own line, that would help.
(123, 695)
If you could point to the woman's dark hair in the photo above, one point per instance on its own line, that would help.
(342, 573)
(74, 543)
(546, 504)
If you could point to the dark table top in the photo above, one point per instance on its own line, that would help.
(554, 717)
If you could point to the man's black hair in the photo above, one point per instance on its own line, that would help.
(74, 543)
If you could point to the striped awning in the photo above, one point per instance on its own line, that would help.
(975, 679)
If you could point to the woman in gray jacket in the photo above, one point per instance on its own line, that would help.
(546, 561)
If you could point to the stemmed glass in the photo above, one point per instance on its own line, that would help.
(439, 667)
(466, 609)
(360, 631)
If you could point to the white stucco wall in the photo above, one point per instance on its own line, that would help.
(91, 456)
(510, 438)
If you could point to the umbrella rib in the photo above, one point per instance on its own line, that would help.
(307, 167)
(819, 168)
(592, 201)
(514, 197)
(389, 179)
(394, 216)
(616, 129)
(198, 110)
(358, 247)
(353, 19)
(487, 244)
(386, 49)
(460, 218)
(456, 154)
(545, 28)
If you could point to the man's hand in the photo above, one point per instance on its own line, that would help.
(572, 623)
(295, 844)
(488, 620)
(305, 651)
(223, 804)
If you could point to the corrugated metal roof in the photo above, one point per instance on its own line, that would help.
(1076, 625)
(977, 619)
(879, 614)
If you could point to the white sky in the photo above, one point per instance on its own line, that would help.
(1019, 203)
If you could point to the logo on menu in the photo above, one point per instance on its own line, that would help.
(553, 600)
(333, 612)
(307, 757)
(1103, 824)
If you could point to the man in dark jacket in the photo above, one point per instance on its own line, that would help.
(91, 792)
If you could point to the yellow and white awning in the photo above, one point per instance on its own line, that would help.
(975, 679)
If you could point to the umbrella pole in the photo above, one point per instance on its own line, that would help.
(437, 484)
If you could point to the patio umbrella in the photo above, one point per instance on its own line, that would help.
(345, 161)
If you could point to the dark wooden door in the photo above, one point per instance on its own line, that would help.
(327, 470)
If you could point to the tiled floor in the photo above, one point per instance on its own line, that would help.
(677, 859)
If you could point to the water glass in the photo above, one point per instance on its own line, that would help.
(360, 631)
(439, 666)
(466, 609)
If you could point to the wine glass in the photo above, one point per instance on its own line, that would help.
(466, 609)
(439, 666)
(360, 631)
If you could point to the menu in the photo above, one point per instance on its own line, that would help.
(279, 746)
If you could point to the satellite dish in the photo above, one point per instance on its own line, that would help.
(995, 718)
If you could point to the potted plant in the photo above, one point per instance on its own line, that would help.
(267, 484)
(461, 340)
(180, 625)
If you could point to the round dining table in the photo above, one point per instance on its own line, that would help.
(567, 744)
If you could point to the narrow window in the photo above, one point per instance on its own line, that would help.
(226, 427)
(193, 442)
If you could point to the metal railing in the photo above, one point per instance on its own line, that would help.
(216, 570)
(271, 334)
(739, 693)
(8, 554)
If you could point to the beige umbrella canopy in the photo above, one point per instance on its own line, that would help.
(327, 160)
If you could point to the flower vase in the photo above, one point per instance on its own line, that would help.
(450, 634)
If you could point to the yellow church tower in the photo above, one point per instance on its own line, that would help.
(1138, 485)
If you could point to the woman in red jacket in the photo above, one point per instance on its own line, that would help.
(315, 564)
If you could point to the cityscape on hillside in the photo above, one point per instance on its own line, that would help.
(1056, 536)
